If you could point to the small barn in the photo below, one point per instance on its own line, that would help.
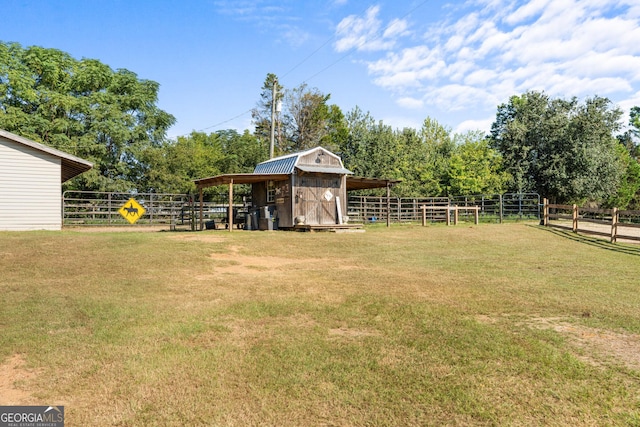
(31, 177)
(307, 189)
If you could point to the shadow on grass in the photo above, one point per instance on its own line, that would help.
(592, 241)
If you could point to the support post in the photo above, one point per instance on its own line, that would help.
(574, 216)
(274, 92)
(230, 212)
(448, 215)
(424, 215)
(172, 218)
(388, 205)
(545, 212)
(455, 215)
(476, 215)
(614, 224)
(201, 209)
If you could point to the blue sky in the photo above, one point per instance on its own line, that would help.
(401, 60)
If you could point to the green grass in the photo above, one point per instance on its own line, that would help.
(403, 326)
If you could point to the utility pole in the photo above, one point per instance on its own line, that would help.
(274, 92)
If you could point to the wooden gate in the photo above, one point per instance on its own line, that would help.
(319, 199)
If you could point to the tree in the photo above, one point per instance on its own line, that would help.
(474, 167)
(261, 114)
(172, 167)
(82, 107)
(307, 119)
(561, 149)
(627, 195)
(635, 121)
(371, 148)
(439, 146)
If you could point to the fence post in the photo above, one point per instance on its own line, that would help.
(109, 208)
(476, 215)
(575, 218)
(151, 208)
(500, 208)
(545, 212)
(172, 220)
(614, 224)
(424, 215)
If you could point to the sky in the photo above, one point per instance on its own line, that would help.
(400, 60)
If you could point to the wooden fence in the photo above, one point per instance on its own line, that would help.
(173, 211)
(85, 208)
(486, 208)
(613, 223)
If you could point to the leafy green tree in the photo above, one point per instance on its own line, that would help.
(371, 147)
(172, 167)
(474, 167)
(561, 149)
(635, 121)
(627, 195)
(309, 120)
(439, 147)
(82, 107)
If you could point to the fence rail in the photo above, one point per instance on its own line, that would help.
(84, 208)
(612, 223)
(490, 208)
(175, 211)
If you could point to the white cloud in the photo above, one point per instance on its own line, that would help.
(367, 33)
(410, 103)
(471, 125)
(480, 58)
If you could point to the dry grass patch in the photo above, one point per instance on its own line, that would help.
(14, 381)
(400, 326)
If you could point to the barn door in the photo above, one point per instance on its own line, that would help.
(319, 205)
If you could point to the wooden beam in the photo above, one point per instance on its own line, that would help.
(230, 214)
(201, 210)
(389, 204)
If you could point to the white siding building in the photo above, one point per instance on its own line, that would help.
(31, 177)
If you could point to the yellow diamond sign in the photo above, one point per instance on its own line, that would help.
(131, 211)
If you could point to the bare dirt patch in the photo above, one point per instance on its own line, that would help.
(197, 237)
(594, 346)
(621, 347)
(13, 376)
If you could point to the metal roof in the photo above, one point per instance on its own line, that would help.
(288, 163)
(280, 168)
(277, 165)
(71, 165)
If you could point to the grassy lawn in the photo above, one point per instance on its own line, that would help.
(470, 325)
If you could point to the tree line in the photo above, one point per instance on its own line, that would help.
(564, 149)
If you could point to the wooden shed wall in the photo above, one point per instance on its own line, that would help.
(320, 158)
(316, 195)
(30, 188)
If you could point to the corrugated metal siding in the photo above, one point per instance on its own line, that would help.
(283, 165)
(30, 188)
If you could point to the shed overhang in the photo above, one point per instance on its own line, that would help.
(239, 178)
(362, 183)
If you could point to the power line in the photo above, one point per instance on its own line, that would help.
(329, 40)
